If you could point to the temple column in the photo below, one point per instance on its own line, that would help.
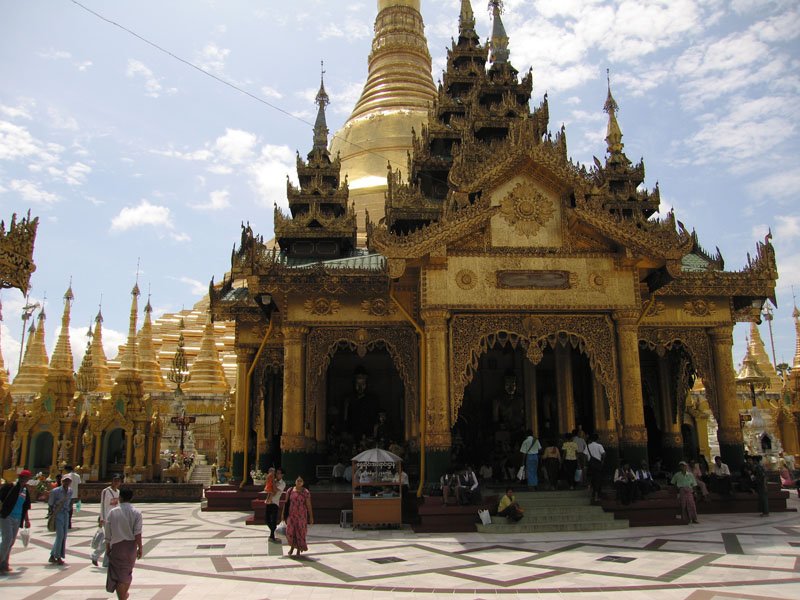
(701, 420)
(605, 423)
(98, 448)
(529, 378)
(788, 428)
(729, 432)
(294, 452)
(671, 437)
(244, 358)
(23, 461)
(634, 433)
(438, 438)
(564, 385)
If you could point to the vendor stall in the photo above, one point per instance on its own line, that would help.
(377, 489)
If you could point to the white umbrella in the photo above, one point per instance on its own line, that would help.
(377, 455)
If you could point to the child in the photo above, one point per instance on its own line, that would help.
(270, 486)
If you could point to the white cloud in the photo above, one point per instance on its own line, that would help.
(55, 54)
(17, 142)
(788, 227)
(31, 192)
(15, 112)
(152, 84)
(76, 173)
(61, 121)
(270, 92)
(269, 172)
(218, 200)
(351, 29)
(783, 184)
(212, 58)
(236, 146)
(142, 215)
(196, 288)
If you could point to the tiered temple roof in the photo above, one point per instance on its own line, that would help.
(322, 224)
(759, 354)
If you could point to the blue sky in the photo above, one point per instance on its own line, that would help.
(127, 154)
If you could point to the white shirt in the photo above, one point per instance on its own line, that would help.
(76, 481)
(595, 450)
(124, 523)
(279, 487)
(721, 470)
(530, 446)
(109, 498)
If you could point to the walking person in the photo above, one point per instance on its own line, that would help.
(109, 498)
(123, 530)
(59, 503)
(273, 503)
(300, 516)
(685, 482)
(760, 479)
(16, 503)
(530, 450)
(551, 460)
(569, 449)
(76, 482)
(596, 455)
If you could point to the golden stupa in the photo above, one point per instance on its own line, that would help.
(396, 98)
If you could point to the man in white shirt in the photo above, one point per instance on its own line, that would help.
(123, 529)
(109, 498)
(273, 502)
(720, 477)
(596, 454)
(530, 450)
(76, 481)
(468, 490)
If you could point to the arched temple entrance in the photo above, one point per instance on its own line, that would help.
(41, 456)
(359, 389)
(114, 448)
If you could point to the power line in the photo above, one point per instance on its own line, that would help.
(213, 76)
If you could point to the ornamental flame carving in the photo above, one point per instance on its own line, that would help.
(699, 308)
(526, 211)
(322, 306)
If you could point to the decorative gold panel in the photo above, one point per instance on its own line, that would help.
(527, 210)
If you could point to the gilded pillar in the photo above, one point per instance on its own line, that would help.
(788, 428)
(671, 438)
(634, 434)
(605, 423)
(566, 395)
(729, 433)
(244, 357)
(98, 448)
(293, 441)
(23, 461)
(438, 439)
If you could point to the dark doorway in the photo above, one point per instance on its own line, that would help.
(114, 455)
(358, 390)
(690, 446)
(41, 451)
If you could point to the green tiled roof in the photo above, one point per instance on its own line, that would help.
(694, 263)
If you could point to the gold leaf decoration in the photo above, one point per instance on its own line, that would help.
(526, 210)
(466, 279)
(378, 307)
(699, 308)
(322, 306)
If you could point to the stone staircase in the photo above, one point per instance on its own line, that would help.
(201, 473)
(555, 511)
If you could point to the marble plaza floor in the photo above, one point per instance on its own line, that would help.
(197, 556)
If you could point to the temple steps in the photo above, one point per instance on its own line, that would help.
(555, 511)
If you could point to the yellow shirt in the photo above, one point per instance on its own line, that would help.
(505, 502)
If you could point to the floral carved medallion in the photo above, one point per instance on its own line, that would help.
(322, 306)
(378, 307)
(527, 211)
(466, 279)
(699, 308)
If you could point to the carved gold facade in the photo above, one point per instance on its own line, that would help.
(493, 258)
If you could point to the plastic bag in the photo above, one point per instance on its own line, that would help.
(78, 506)
(578, 475)
(521, 473)
(281, 528)
(485, 517)
(99, 539)
(25, 536)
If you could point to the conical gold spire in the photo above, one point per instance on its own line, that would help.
(613, 132)
(759, 353)
(498, 45)
(152, 379)
(33, 371)
(796, 363)
(130, 359)
(3, 373)
(206, 375)
(127, 391)
(62, 360)
(396, 96)
(99, 360)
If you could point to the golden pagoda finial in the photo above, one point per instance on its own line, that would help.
(152, 379)
(130, 360)
(33, 371)
(86, 380)
(613, 133)
(758, 351)
(796, 316)
(3, 372)
(99, 360)
(498, 44)
(62, 355)
(207, 375)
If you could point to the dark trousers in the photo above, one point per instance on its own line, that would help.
(511, 512)
(272, 518)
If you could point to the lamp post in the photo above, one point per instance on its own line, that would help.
(768, 316)
(27, 313)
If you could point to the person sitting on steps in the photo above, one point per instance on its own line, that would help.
(509, 508)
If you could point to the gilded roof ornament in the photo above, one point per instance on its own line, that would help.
(498, 45)
(3, 372)
(62, 355)
(16, 252)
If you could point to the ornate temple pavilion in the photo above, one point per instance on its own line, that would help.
(501, 287)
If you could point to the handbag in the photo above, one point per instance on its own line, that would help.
(485, 517)
(25, 536)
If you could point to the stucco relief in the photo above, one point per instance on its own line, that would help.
(526, 210)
